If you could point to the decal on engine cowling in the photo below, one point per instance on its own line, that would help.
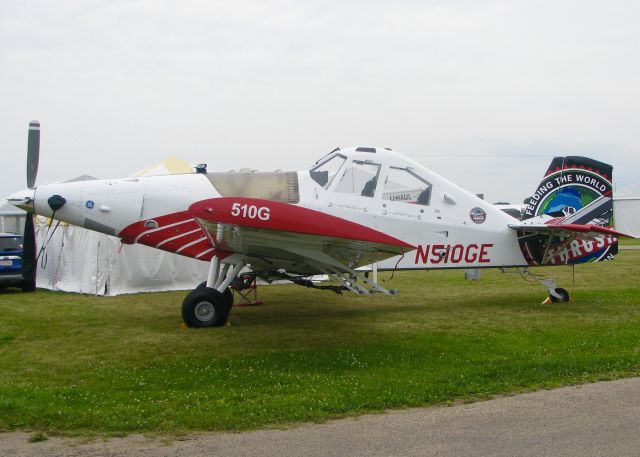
(447, 254)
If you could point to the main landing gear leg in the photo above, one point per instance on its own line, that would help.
(208, 305)
(556, 294)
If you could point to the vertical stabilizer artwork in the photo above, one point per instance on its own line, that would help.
(574, 191)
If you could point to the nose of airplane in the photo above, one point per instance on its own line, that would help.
(23, 199)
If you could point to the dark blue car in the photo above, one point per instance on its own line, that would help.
(11, 261)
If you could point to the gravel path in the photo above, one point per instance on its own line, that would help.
(589, 420)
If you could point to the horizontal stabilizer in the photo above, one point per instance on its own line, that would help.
(568, 230)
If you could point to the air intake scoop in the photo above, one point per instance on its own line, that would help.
(56, 202)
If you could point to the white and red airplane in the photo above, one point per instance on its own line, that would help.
(353, 208)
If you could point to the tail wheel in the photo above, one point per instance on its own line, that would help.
(564, 294)
(205, 307)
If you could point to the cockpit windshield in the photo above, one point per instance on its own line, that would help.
(324, 173)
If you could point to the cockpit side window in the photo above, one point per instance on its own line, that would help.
(360, 178)
(324, 173)
(404, 185)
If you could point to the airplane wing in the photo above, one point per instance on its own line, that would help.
(276, 235)
(273, 235)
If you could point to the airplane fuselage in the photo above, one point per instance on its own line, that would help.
(355, 208)
(452, 228)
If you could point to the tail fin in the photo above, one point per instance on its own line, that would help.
(577, 190)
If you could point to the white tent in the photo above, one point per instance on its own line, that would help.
(79, 260)
(626, 205)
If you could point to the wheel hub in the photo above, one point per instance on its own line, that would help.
(205, 311)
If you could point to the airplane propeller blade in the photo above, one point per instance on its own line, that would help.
(29, 237)
(29, 255)
(33, 153)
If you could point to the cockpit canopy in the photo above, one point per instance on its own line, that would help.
(385, 175)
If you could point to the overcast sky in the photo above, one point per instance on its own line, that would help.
(482, 92)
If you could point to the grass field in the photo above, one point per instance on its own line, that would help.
(80, 364)
(629, 242)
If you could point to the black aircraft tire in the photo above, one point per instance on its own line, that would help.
(205, 308)
(227, 294)
(563, 293)
(228, 297)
